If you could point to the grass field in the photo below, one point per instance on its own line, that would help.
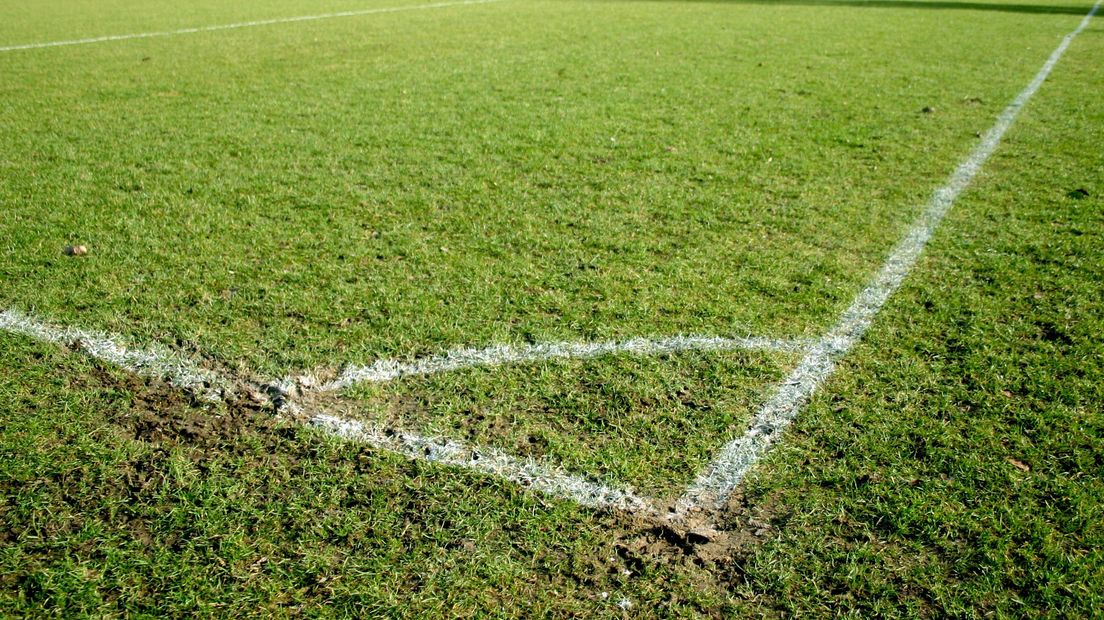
(289, 201)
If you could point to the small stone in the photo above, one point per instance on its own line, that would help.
(75, 250)
(701, 535)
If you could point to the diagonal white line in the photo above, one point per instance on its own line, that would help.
(717, 481)
(714, 485)
(497, 355)
(149, 362)
(235, 26)
(159, 363)
(529, 473)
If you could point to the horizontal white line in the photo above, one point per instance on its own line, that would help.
(714, 485)
(543, 477)
(234, 26)
(150, 362)
(497, 355)
(528, 473)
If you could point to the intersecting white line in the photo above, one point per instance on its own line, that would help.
(157, 362)
(717, 481)
(714, 485)
(235, 26)
(497, 355)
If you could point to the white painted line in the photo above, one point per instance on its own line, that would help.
(714, 485)
(497, 355)
(234, 26)
(528, 473)
(543, 477)
(149, 362)
(209, 385)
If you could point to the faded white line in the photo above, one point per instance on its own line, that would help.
(158, 363)
(714, 485)
(528, 473)
(149, 362)
(497, 355)
(234, 26)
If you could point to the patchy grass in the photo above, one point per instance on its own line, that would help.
(120, 496)
(951, 466)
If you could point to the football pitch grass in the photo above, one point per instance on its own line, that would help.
(298, 190)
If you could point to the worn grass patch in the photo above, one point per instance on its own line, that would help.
(393, 187)
(121, 495)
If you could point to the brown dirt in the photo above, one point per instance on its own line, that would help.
(718, 543)
(163, 415)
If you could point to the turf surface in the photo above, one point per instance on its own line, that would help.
(332, 192)
(648, 422)
(303, 197)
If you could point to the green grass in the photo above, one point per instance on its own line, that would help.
(301, 197)
(266, 521)
(899, 480)
(513, 172)
(649, 422)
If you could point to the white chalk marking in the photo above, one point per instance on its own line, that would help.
(528, 473)
(150, 362)
(497, 355)
(713, 486)
(234, 26)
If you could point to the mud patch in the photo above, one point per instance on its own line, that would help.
(715, 544)
(161, 414)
